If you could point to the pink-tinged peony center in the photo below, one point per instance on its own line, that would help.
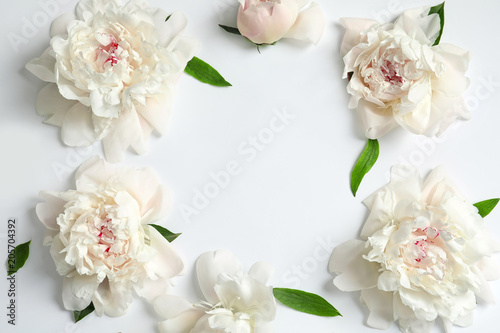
(390, 73)
(108, 53)
(426, 252)
(105, 235)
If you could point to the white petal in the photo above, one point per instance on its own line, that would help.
(157, 111)
(183, 323)
(144, 185)
(309, 25)
(353, 28)
(77, 128)
(49, 210)
(355, 272)
(381, 205)
(50, 104)
(60, 25)
(452, 81)
(62, 267)
(261, 271)
(167, 263)
(78, 291)
(93, 173)
(375, 121)
(169, 30)
(43, 67)
(170, 306)
(380, 305)
(208, 267)
(111, 299)
(124, 131)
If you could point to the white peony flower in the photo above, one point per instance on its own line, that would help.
(101, 241)
(235, 302)
(112, 71)
(425, 253)
(267, 21)
(399, 78)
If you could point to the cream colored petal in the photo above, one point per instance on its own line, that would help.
(44, 67)
(309, 25)
(51, 105)
(355, 273)
(77, 128)
(380, 305)
(208, 268)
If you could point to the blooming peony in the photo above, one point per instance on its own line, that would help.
(425, 253)
(236, 302)
(400, 78)
(101, 241)
(112, 71)
(267, 21)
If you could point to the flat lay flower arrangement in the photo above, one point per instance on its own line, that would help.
(424, 252)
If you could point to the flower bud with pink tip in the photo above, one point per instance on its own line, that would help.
(267, 21)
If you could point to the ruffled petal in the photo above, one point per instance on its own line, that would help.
(309, 26)
(60, 25)
(380, 305)
(167, 263)
(261, 271)
(355, 273)
(77, 128)
(111, 299)
(183, 323)
(44, 67)
(51, 105)
(49, 210)
(78, 291)
(208, 268)
(375, 121)
(353, 28)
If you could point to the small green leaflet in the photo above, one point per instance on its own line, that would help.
(168, 17)
(205, 73)
(169, 236)
(79, 315)
(438, 9)
(231, 30)
(305, 302)
(17, 258)
(364, 164)
(485, 207)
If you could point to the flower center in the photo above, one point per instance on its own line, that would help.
(390, 73)
(426, 252)
(108, 52)
(105, 233)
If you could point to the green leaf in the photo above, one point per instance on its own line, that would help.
(305, 302)
(231, 30)
(364, 164)
(21, 254)
(205, 73)
(438, 9)
(168, 17)
(169, 236)
(485, 207)
(79, 315)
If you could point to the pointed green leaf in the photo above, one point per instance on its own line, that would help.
(231, 30)
(364, 164)
(205, 73)
(485, 207)
(168, 17)
(167, 234)
(438, 9)
(79, 315)
(21, 254)
(305, 302)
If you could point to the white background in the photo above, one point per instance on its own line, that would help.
(288, 206)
